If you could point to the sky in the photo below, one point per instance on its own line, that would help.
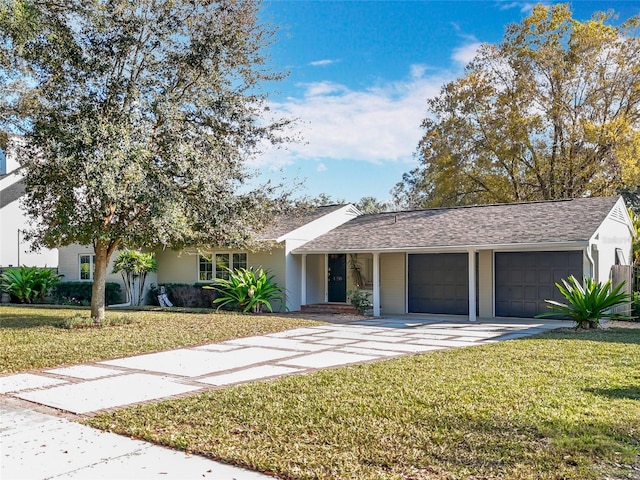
(360, 74)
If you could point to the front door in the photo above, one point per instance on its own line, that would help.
(337, 285)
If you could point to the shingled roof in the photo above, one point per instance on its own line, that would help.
(287, 223)
(563, 221)
(11, 193)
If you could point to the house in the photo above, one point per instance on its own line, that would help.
(487, 261)
(202, 266)
(14, 250)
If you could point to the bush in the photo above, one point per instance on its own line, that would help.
(247, 290)
(184, 295)
(587, 304)
(635, 305)
(360, 299)
(79, 293)
(26, 284)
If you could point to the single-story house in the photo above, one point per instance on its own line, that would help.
(488, 261)
(202, 266)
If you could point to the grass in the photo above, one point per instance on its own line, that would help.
(39, 337)
(565, 405)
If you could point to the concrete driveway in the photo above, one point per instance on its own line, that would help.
(38, 441)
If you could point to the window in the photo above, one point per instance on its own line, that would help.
(87, 263)
(223, 262)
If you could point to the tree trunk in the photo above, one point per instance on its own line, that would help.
(103, 251)
(99, 281)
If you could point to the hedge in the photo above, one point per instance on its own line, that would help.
(80, 293)
(184, 295)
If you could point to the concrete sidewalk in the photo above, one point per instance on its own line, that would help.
(38, 445)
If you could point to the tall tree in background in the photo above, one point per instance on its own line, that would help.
(139, 116)
(552, 112)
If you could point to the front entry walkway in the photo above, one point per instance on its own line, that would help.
(89, 388)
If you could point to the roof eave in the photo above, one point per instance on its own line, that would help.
(573, 244)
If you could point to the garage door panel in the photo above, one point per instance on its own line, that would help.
(522, 292)
(439, 283)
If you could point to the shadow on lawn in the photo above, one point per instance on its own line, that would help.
(609, 335)
(23, 321)
(631, 392)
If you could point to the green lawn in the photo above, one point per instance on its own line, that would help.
(29, 338)
(562, 406)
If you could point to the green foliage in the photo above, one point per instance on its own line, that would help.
(360, 299)
(247, 290)
(27, 284)
(134, 267)
(78, 320)
(635, 305)
(79, 293)
(635, 220)
(546, 114)
(587, 304)
(139, 117)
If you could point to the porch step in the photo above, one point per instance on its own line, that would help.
(337, 308)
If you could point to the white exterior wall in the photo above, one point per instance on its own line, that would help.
(14, 251)
(274, 262)
(614, 233)
(316, 278)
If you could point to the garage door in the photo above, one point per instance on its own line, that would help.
(524, 280)
(439, 283)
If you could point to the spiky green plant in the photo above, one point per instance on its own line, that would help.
(247, 290)
(587, 304)
(28, 283)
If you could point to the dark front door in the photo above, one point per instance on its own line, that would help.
(337, 278)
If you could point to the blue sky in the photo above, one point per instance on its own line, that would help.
(360, 75)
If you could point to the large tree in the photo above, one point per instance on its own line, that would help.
(552, 112)
(139, 117)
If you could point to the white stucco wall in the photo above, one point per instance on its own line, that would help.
(14, 250)
(614, 233)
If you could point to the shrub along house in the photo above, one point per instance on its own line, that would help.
(487, 261)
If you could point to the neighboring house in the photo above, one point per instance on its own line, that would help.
(14, 250)
(487, 261)
(202, 266)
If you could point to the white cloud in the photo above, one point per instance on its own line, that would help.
(321, 167)
(379, 124)
(464, 54)
(524, 7)
(323, 63)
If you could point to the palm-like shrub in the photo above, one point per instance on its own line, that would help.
(134, 267)
(28, 283)
(587, 304)
(247, 290)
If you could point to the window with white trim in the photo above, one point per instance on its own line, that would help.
(86, 264)
(217, 265)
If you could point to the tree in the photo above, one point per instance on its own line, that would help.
(552, 112)
(372, 205)
(139, 116)
(134, 267)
